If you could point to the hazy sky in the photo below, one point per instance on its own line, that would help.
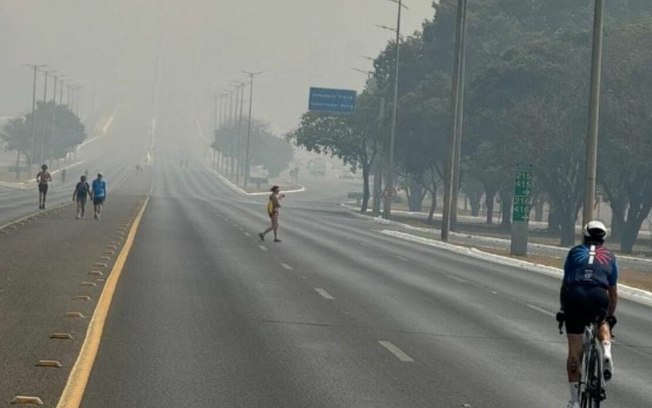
(202, 45)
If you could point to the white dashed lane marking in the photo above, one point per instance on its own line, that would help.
(400, 258)
(262, 247)
(324, 294)
(397, 352)
(286, 266)
(247, 234)
(455, 278)
(538, 309)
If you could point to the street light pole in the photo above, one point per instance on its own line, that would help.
(449, 213)
(35, 67)
(594, 113)
(387, 210)
(44, 118)
(248, 149)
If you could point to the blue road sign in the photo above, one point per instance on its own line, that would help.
(331, 100)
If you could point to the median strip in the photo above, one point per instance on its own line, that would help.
(74, 391)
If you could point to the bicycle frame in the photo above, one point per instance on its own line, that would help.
(592, 391)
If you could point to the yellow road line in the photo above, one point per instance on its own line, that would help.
(74, 392)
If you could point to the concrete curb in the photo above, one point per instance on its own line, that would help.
(239, 190)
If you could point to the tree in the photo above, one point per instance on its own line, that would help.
(353, 138)
(625, 149)
(58, 131)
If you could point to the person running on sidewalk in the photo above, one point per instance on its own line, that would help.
(99, 194)
(82, 191)
(43, 178)
(272, 210)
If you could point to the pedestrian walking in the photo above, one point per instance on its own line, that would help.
(82, 191)
(99, 194)
(272, 210)
(43, 178)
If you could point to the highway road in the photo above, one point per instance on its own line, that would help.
(337, 315)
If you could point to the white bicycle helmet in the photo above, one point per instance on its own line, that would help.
(595, 229)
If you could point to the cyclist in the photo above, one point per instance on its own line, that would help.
(99, 194)
(588, 294)
(43, 178)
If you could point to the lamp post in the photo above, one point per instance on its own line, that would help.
(239, 116)
(251, 104)
(449, 212)
(387, 210)
(594, 113)
(35, 67)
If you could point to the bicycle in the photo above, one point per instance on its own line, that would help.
(592, 384)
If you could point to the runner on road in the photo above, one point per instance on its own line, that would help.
(43, 178)
(99, 194)
(272, 210)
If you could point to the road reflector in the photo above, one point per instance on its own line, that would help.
(100, 265)
(105, 258)
(61, 336)
(82, 297)
(77, 315)
(89, 284)
(22, 400)
(49, 364)
(98, 273)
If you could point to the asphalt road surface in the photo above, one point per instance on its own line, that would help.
(337, 315)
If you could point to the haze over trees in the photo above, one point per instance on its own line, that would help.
(266, 149)
(526, 101)
(57, 131)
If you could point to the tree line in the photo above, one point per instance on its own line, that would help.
(56, 132)
(526, 101)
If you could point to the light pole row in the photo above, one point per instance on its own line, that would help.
(229, 111)
(73, 91)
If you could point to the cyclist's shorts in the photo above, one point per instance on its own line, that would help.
(43, 188)
(584, 305)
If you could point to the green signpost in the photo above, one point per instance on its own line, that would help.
(521, 209)
(522, 194)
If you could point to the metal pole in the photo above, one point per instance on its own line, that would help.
(54, 92)
(248, 150)
(594, 112)
(43, 120)
(35, 67)
(387, 210)
(450, 194)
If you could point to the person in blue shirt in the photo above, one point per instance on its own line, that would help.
(588, 294)
(99, 194)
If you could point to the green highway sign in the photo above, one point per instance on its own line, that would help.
(522, 194)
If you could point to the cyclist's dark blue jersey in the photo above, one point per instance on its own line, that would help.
(591, 265)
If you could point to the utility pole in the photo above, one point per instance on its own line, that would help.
(44, 118)
(594, 113)
(389, 189)
(238, 131)
(449, 213)
(35, 67)
(248, 149)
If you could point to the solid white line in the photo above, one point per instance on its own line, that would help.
(398, 353)
(262, 247)
(286, 266)
(538, 309)
(455, 278)
(324, 294)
